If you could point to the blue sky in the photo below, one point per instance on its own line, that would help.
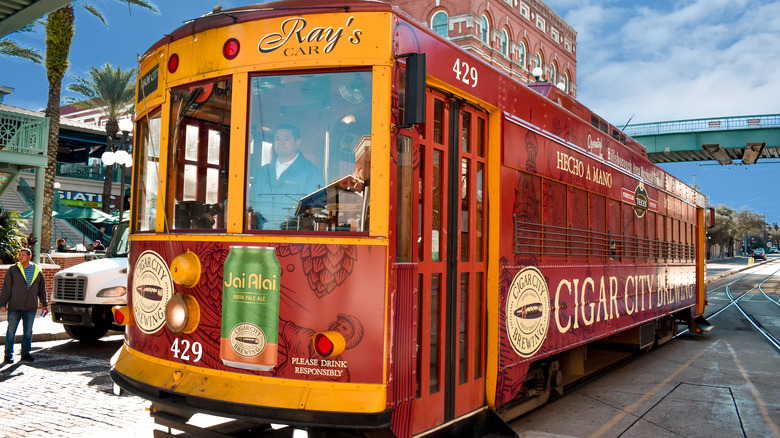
(656, 60)
(684, 59)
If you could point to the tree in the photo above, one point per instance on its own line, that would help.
(723, 232)
(59, 36)
(11, 239)
(750, 222)
(113, 91)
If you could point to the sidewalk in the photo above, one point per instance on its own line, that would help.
(44, 330)
(717, 269)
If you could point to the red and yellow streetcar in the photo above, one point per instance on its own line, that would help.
(341, 220)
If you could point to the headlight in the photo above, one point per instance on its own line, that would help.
(182, 314)
(186, 269)
(117, 291)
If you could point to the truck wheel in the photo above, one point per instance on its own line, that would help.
(84, 333)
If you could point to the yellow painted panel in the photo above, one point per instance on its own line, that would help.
(316, 40)
(162, 183)
(254, 238)
(380, 152)
(238, 140)
(701, 242)
(250, 389)
(492, 292)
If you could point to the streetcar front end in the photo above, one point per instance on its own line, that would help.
(259, 245)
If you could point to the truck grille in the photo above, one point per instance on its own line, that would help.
(69, 288)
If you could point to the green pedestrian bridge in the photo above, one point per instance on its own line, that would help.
(728, 140)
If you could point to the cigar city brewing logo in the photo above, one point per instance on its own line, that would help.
(527, 312)
(152, 289)
(296, 37)
(247, 340)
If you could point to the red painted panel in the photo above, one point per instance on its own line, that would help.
(323, 287)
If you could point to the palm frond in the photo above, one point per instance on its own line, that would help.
(10, 48)
(32, 27)
(94, 11)
(142, 3)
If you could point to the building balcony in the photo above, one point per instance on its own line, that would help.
(90, 172)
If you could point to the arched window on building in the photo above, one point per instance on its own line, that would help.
(485, 31)
(440, 24)
(553, 74)
(565, 82)
(521, 59)
(504, 43)
(538, 60)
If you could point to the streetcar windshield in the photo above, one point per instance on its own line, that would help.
(309, 152)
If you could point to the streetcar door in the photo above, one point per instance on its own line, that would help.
(451, 244)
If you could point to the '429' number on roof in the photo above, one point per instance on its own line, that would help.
(464, 73)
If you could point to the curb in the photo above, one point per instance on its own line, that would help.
(727, 273)
(39, 337)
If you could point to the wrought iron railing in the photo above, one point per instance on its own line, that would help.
(697, 125)
(535, 240)
(22, 133)
(86, 171)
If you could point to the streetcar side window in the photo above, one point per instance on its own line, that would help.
(200, 137)
(148, 172)
(308, 152)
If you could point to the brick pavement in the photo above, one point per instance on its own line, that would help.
(67, 395)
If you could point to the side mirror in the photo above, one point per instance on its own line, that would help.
(414, 97)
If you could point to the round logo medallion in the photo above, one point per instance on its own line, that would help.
(527, 312)
(641, 200)
(247, 340)
(152, 288)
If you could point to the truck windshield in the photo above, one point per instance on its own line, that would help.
(118, 246)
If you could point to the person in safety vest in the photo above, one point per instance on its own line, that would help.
(23, 287)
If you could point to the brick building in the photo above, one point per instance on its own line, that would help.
(513, 35)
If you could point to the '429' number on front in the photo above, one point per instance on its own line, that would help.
(182, 350)
(465, 73)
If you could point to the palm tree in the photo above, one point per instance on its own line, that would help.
(59, 36)
(112, 90)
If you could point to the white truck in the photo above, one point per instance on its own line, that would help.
(84, 294)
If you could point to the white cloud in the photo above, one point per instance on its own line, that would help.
(691, 59)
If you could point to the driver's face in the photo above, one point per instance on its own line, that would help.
(285, 144)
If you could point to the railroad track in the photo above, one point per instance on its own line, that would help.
(733, 292)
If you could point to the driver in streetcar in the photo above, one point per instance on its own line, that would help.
(279, 184)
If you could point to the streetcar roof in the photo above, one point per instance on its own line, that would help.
(223, 17)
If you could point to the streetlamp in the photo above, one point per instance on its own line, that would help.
(118, 154)
(537, 72)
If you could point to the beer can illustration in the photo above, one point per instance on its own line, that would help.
(250, 308)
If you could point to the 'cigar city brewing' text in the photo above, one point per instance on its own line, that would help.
(305, 40)
(251, 281)
(602, 299)
(152, 289)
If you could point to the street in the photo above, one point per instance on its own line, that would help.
(67, 392)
